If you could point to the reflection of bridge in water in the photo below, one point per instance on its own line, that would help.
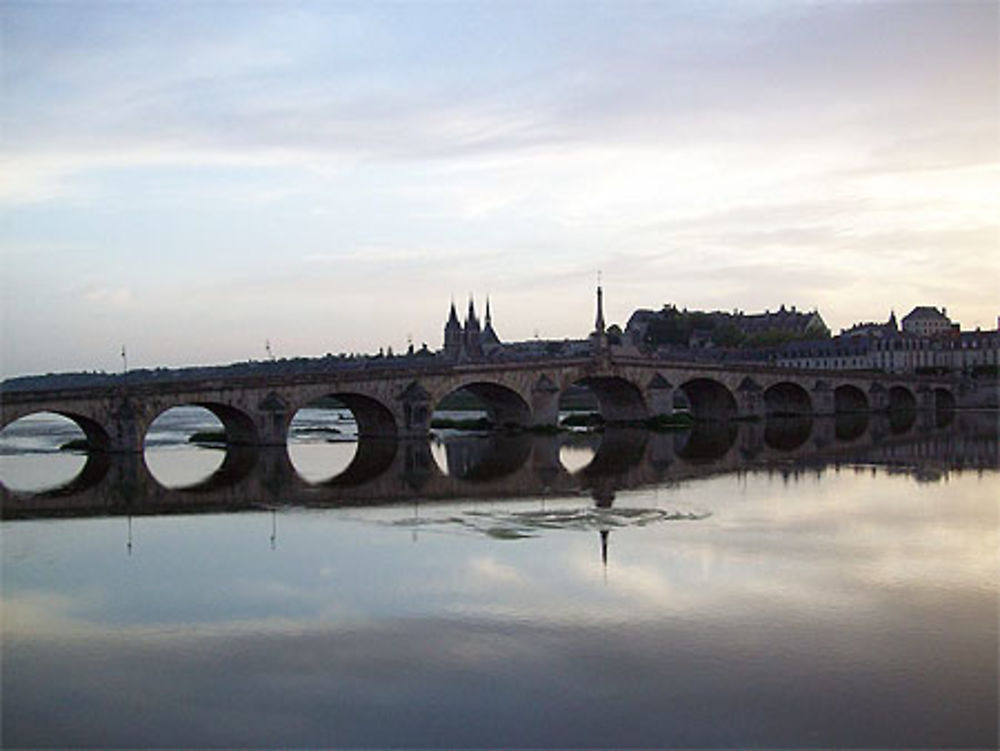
(522, 464)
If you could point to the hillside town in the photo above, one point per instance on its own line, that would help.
(925, 341)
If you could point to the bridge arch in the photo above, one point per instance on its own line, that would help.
(786, 398)
(901, 398)
(504, 405)
(97, 436)
(197, 420)
(371, 415)
(709, 399)
(237, 424)
(71, 464)
(619, 399)
(943, 399)
(849, 398)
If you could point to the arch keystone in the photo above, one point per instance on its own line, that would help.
(658, 382)
(544, 385)
(415, 401)
(660, 395)
(414, 392)
(272, 403)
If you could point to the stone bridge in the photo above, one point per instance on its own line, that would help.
(523, 465)
(399, 401)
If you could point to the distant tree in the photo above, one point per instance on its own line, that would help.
(727, 335)
(669, 327)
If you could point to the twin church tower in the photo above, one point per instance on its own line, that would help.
(471, 341)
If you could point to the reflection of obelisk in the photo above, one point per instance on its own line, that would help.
(604, 547)
(604, 494)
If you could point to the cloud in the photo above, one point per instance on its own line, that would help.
(709, 153)
(116, 297)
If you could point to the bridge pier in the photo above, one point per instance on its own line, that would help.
(750, 403)
(823, 401)
(126, 428)
(659, 396)
(270, 424)
(544, 403)
(878, 398)
(925, 398)
(413, 418)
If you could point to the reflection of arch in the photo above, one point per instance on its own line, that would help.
(943, 399)
(787, 398)
(787, 433)
(483, 458)
(848, 398)
(503, 405)
(901, 398)
(238, 462)
(706, 442)
(584, 442)
(371, 459)
(620, 400)
(901, 420)
(619, 450)
(850, 427)
(709, 399)
(94, 469)
(943, 417)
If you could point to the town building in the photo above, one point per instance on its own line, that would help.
(887, 347)
(925, 320)
(927, 342)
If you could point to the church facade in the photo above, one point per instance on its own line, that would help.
(470, 340)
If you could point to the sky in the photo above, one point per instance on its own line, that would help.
(193, 180)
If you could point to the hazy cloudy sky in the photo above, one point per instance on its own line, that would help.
(192, 179)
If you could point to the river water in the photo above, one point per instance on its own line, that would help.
(819, 583)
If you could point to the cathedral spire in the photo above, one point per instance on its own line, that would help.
(452, 334)
(599, 323)
(488, 320)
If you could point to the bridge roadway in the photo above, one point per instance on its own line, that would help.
(399, 401)
(522, 465)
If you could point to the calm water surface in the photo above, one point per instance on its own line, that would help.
(821, 587)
